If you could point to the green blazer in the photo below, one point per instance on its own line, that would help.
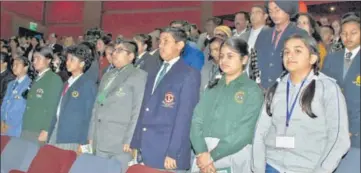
(42, 102)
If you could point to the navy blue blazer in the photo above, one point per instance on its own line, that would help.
(350, 85)
(163, 127)
(75, 112)
(269, 58)
(193, 56)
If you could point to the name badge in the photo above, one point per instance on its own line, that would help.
(285, 142)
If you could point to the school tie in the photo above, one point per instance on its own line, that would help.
(347, 63)
(161, 74)
(274, 41)
(66, 87)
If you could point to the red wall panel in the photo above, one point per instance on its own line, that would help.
(129, 5)
(230, 7)
(130, 24)
(6, 25)
(74, 31)
(65, 12)
(32, 9)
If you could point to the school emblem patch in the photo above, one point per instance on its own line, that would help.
(168, 100)
(75, 94)
(39, 92)
(357, 80)
(239, 96)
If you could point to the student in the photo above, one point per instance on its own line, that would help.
(144, 43)
(344, 66)
(210, 70)
(224, 119)
(303, 124)
(69, 128)
(6, 74)
(59, 63)
(108, 54)
(42, 98)
(14, 105)
(269, 43)
(117, 105)
(172, 91)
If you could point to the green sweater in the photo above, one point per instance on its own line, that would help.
(42, 102)
(229, 113)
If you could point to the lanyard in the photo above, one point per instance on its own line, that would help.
(290, 111)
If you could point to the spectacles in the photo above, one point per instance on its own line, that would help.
(120, 50)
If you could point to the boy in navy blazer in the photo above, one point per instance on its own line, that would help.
(162, 133)
(69, 128)
(344, 66)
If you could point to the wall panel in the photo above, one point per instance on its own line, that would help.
(141, 5)
(130, 24)
(69, 12)
(30, 9)
(6, 25)
(74, 31)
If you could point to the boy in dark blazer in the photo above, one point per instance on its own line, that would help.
(69, 128)
(162, 133)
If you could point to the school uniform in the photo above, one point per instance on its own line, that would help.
(5, 77)
(348, 77)
(69, 128)
(12, 110)
(164, 123)
(193, 56)
(307, 144)
(141, 60)
(209, 72)
(269, 46)
(223, 123)
(116, 112)
(41, 105)
(107, 69)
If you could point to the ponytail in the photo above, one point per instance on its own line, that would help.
(309, 93)
(271, 92)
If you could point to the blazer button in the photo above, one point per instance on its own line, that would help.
(269, 80)
(144, 129)
(99, 120)
(147, 109)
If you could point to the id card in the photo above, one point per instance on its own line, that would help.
(285, 142)
(86, 149)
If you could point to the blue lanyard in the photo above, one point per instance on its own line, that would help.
(290, 111)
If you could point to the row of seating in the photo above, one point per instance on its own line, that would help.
(21, 156)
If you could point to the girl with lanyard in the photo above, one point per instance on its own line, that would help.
(14, 104)
(225, 117)
(42, 98)
(69, 128)
(303, 125)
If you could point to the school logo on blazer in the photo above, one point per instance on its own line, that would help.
(75, 94)
(357, 80)
(39, 92)
(168, 100)
(239, 96)
(120, 92)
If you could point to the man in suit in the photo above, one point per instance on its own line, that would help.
(204, 38)
(117, 105)
(344, 66)
(241, 22)
(270, 42)
(53, 38)
(162, 133)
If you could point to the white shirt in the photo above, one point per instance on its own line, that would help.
(237, 34)
(42, 74)
(71, 81)
(171, 63)
(152, 52)
(253, 37)
(21, 79)
(354, 52)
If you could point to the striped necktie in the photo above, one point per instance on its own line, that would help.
(161, 74)
(347, 63)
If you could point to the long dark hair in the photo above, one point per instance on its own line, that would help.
(6, 59)
(237, 44)
(214, 39)
(83, 53)
(314, 27)
(308, 94)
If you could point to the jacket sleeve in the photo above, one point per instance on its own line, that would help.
(258, 160)
(52, 97)
(338, 139)
(91, 92)
(196, 134)
(243, 133)
(138, 93)
(6, 95)
(189, 97)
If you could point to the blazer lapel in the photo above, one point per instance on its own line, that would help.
(122, 76)
(354, 68)
(171, 74)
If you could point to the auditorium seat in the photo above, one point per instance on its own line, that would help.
(18, 154)
(51, 160)
(142, 169)
(4, 141)
(86, 163)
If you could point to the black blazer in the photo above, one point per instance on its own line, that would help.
(5, 78)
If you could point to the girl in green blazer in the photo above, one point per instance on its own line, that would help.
(42, 97)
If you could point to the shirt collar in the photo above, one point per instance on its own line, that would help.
(257, 30)
(240, 79)
(141, 55)
(354, 52)
(43, 72)
(173, 61)
(21, 79)
(72, 79)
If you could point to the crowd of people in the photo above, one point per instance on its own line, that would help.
(260, 98)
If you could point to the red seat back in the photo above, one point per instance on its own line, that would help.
(52, 160)
(142, 169)
(4, 141)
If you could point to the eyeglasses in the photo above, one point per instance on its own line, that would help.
(120, 50)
